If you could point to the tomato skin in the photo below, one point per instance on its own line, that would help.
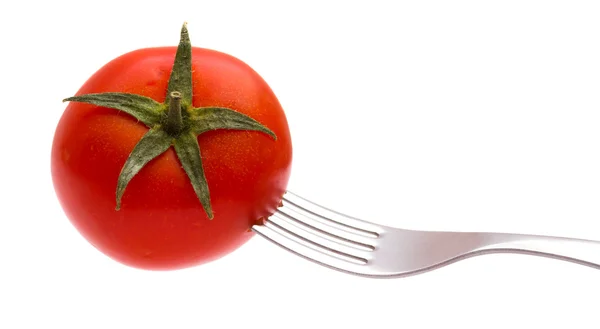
(161, 224)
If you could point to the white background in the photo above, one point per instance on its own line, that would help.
(444, 115)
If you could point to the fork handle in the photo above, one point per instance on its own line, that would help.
(580, 251)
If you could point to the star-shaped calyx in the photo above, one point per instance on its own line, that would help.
(173, 123)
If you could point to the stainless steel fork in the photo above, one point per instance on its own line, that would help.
(358, 247)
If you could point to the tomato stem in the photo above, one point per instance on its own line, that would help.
(174, 123)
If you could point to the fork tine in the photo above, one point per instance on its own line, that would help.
(307, 250)
(323, 241)
(318, 225)
(331, 218)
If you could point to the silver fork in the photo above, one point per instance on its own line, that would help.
(358, 247)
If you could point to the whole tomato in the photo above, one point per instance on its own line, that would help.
(166, 157)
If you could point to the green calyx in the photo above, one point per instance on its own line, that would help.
(173, 123)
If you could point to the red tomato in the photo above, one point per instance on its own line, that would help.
(161, 225)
